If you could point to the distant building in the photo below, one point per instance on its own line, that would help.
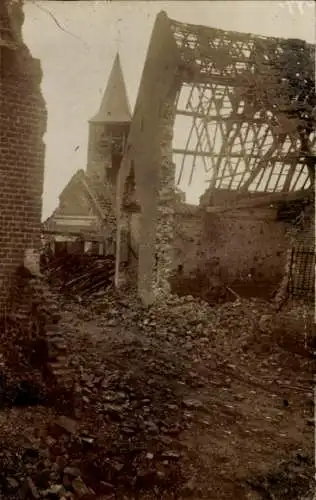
(85, 218)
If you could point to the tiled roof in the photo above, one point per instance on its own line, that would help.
(102, 197)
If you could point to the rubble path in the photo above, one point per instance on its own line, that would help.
(180, 400)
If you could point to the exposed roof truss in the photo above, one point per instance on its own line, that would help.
(245, 110)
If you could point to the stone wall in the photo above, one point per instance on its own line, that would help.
(240, 241)
(149, 153)
(240, 247)
(22, 126)
(166, 208)
(246, 249)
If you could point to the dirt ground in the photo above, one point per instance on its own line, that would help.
(181, 400)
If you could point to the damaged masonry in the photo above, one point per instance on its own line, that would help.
(157, 330)
(248, 104)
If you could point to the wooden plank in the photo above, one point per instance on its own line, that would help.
(199, 134)
(262, 200)
(210, 118)
(211, 154)
(244, 156)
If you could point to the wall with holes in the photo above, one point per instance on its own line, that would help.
(244, 249)
(238, 248)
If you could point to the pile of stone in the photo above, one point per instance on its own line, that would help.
(181, 318)
(292, 328)
(32, 347)
(22, 379)
(134, 385)
(42, 467)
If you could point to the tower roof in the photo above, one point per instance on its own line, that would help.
(114, 107)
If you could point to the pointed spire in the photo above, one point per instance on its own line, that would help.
(114, 107)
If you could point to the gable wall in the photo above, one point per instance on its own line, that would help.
(74, 202)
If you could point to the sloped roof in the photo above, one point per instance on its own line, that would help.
(77, 177)
(97, 193)
(115, 107)
(102, 197)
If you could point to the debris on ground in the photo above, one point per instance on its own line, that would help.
(80, 275)
(178, 400)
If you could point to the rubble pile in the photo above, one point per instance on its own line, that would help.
(288, 481)
(293, 328)
(154, 357)
(22, 380)
(233, 323)
(204, 285)
(32, 347)
(153, 386)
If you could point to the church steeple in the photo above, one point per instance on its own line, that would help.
(109, 128)
(114, 107)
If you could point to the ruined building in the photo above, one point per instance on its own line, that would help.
(85, 218)
(232, 110)
(22, 126)
(32, 346)
(249, 108)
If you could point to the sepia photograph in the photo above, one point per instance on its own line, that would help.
(157, 250)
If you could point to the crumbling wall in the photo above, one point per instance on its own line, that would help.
(244, 247)
(149, 152)
(22, 126)
(166, 200)
(247, 248)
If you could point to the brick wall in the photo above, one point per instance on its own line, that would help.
(22, 126)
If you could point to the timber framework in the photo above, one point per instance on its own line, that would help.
(249, 108)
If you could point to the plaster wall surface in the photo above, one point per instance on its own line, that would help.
(248, 246)
(134, 231)
(22, 126)
(147, 155)
(238, 247)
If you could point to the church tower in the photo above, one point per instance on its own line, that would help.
(109, 128)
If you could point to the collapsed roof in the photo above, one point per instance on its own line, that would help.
(250, 104)
(243, 111)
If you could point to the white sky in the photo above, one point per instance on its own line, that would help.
(76, 67)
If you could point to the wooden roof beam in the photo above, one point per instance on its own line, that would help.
(266, 199)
